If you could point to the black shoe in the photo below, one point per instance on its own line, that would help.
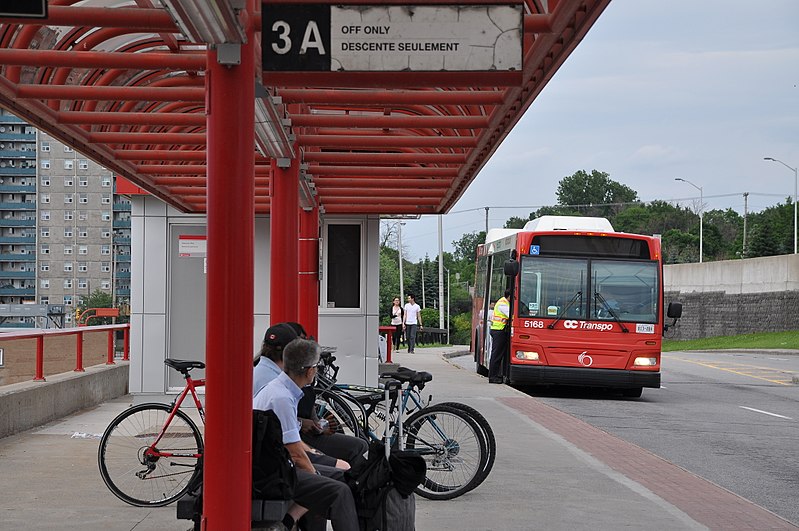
(497, 380)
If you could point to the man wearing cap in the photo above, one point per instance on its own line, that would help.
(270, 358)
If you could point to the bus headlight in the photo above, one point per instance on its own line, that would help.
(645, 362)
(526, 356)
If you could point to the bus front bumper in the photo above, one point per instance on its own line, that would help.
(577, 376)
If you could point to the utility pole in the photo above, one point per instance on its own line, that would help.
(399, 249)
(423, 302)
(440, 271)
(487, 220)
(746, 211)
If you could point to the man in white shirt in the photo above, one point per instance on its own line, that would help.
(411, 321)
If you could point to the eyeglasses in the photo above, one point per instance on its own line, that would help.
(318, 365)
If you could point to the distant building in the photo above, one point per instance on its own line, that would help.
(64, 233)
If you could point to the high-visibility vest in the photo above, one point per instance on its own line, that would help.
(501, 313)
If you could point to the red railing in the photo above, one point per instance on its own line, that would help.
(40, 335)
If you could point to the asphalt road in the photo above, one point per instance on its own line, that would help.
(729, 417)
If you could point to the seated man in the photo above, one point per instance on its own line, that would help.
(324, 497)
(325, 447)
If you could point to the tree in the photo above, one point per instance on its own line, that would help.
(99, 299)
(466, 247)
(594, 189)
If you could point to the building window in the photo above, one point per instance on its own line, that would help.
(45, 181)
(68, 298)
(67, 266)
(83, 215)
(83, 164)
(67, 249)
(44, 198)
(67, 232)
(44, 249)
(67, 149)
(44, 300)
(83, 181)
(45, 164)
(44, 266)
(83, 267)
(105, 181)
(83, 283)
(106, 199)
(106, 216)
(106, 234)
(83, 198)
(45, 283)
(45, 146)
(69, 199)
(83, 249)
(343, 266)
(69, 181)
(105, 284)
(45, 215)
(105, 267)
(69, 164)
(69, 215)
(44, 232)
(105, 249)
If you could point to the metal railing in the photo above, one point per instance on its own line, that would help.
(40, 335)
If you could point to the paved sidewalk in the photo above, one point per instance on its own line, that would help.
(552, 472)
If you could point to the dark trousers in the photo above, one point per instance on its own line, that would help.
(338, 445)
(410, 335)
(397, 336)
(325, 498)
(499, 351)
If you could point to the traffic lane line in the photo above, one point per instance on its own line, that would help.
(766, 412)
(785, 378)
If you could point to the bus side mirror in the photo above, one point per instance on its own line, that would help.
(511, 268)
(674, 311)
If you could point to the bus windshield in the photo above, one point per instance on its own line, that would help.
(593, 289)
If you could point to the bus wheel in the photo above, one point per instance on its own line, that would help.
(635, 392)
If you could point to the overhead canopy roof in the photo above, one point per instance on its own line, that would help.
(118, 81)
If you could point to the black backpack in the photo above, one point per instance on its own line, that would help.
(274, 476)
(372, 480)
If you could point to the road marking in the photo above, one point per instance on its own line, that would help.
(786, 378)
(766, 412)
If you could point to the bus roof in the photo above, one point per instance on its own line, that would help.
(550, 223)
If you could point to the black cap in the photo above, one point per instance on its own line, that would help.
(279, 335)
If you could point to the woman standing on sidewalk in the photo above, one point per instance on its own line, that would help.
(396, 322)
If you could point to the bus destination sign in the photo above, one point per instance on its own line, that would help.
(297, 37)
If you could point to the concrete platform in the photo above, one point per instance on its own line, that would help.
(552, 472)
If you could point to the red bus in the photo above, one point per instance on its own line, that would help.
(586, 304)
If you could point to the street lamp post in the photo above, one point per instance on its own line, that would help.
(795, 187)
(701, 213)
(399, 249)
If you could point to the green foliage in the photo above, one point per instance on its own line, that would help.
(430, 317)
(466, 247)
(764, 340)
(389, 282)
(594, 189)
(100, 299)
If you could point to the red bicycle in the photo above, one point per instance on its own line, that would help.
(151, 454)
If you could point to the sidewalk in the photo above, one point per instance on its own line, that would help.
(552, 472)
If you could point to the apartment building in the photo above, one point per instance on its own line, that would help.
(64, 233)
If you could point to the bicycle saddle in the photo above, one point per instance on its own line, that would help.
(403, 374)
(184, 365)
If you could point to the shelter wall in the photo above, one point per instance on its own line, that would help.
(168, 297)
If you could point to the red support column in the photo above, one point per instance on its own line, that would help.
(39, 377)
(79, 352)
(110, 360)
(284, 249)
(126, 345)
(227, 491)
(309, 271)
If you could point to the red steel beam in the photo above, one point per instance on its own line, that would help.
(355, 171)
(161, 154)
(414, 184)
(171, 169)
(308, 265)
(385, 158)
(376, 191)
(380, 209)
(94, 92)
(391, 79)
(130, 118)
(148, 138)
(367, 141)
(131, 61)
(382, 122)
(369, 200)
(391, 97)
(135, 19)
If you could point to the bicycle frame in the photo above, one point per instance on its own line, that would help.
(191, 387)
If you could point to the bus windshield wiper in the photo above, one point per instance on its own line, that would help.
(604, 302)
(577, 295)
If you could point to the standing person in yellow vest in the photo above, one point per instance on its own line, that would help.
(499, 338)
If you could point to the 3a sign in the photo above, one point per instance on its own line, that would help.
(391, 38)
(23, 8)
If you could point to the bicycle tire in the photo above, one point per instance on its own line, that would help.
(488, 434)
(341, 417)
(453, 447)
(144, 481)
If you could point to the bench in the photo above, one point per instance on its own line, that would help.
(265, 513)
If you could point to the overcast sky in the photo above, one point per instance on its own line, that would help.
(697, 89)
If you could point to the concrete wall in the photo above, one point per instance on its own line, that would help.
(735, 296)
(29, 404)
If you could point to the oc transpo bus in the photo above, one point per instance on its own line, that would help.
(586, 304)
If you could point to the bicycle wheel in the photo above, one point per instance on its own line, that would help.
(490, 441)
(452, 446)
(139, 471)
(333, 408)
